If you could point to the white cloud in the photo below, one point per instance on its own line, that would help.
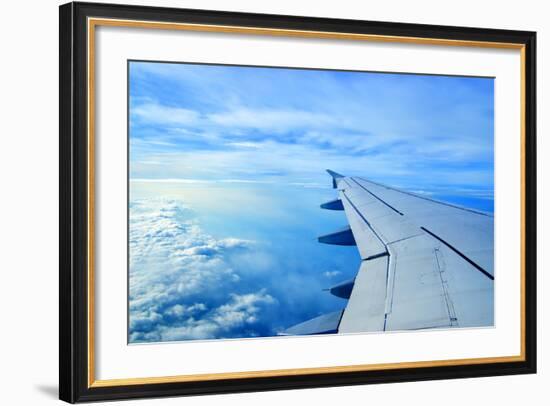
(300, 145)
(244, 144)
(182, 283)
(277, 121)
(153, 113)
(260, 144)
(242, 309)
(171, 180)
(382, 126)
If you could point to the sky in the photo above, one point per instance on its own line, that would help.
(227, 171)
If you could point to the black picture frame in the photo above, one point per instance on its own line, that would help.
(74, 385)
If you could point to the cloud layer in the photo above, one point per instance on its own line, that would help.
(286, 125)
(182, 285)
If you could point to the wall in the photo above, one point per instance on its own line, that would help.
(28, 202)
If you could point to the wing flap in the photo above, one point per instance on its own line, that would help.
(471, 292)
(417, 296)
(431, 287)
(365, 309)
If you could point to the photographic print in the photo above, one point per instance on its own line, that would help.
(269, 201)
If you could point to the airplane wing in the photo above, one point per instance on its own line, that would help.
(424, 263)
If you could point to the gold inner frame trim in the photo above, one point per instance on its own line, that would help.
(299, 371)
(94, 22)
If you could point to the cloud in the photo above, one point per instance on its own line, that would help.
(172, 180)
(332, 274)
(258, 145)
(154, 113)
(241, 313)
(262, 124)
(242, 309)
(187, 283)
(182, 281)
(245, 144)
(271, 120)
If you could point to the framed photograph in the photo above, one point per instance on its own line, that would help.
(256, 202)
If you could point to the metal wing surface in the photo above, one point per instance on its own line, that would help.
(424, 263)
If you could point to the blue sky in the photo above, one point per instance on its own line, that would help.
(227, 169)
